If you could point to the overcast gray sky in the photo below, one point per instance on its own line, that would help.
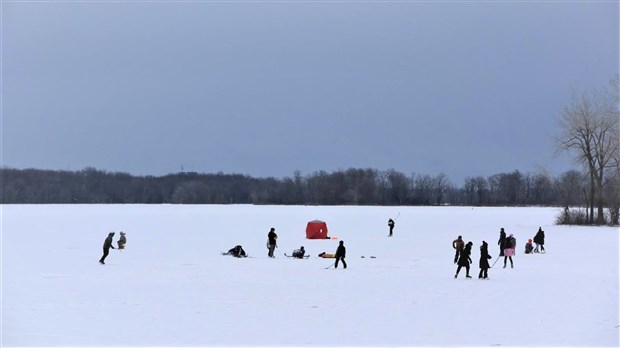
(267, 88)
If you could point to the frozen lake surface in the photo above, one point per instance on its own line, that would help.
(171, 286)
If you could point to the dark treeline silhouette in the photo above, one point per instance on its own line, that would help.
(342, 187)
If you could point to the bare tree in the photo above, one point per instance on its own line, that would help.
(589, 128)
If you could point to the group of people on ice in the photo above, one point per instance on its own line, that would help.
(107, 244)
(272, 244)
(507, 246)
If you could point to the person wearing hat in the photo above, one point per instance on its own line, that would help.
(272, 241)
(107, 244)
(484, 261)
(458, 244)
(340, 254)
(122, 241)
(299, 253)
(464, 260)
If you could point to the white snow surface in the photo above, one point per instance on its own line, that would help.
(172, 287)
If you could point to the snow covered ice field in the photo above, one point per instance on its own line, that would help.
(171, 286)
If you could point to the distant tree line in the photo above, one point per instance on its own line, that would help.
(342, 187)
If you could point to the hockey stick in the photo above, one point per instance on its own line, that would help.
(330, 265)
(396, 218)
(496, 261)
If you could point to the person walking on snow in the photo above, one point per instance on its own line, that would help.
(464, 260)
(484, 261)
(509, 249)
(458, 244)
(539, 239)
(272, 241)
(107, 244)
(340, 254)
(391, 224)
(501, 241)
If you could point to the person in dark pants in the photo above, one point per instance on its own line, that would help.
(340, 254)
(458, 244)
(272, 241)
(484, 261)
(107, 244)
(539, 240)
(237, 251)
(391, 224)
(501, 241)
(509, 250)
(464, 260)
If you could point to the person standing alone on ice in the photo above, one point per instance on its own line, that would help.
(391, 224)
(340, 254)
(458, 244)
(484, 261)
(107, 244)
(501, 241)
(272, 241)
(464, 260)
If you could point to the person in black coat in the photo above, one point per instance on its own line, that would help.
(501, 241)
(272, 243)
(484, 261)
(391, 224)
(539, 239)
(464, 260)
(107, 244)
(236, 251)
(340, 254)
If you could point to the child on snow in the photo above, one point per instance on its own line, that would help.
(122, 241)
(529, 247)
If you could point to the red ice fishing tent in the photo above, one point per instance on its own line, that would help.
(316, 229)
